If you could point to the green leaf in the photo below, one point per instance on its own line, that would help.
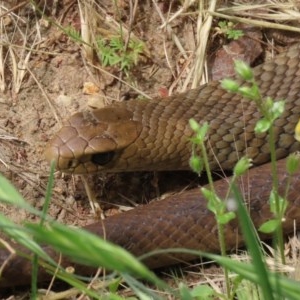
(116, 43)
(277, 109)
(200, 130)
(242, 166)
(202, 292)
(201, 134)
(235, 34)
(293, 163)
(282, 287)
(262, 126)
(243, 70)
(268, 104)
(88, 249)
(251, 93)
(9, 194)
(269, 226)
(21, 236)
(211, 198)
(226, 217)
(194, 125)
(281, 205)
(196, 164)
(214, 204)
(184, 292)
(73, 33)
(273, 199)
(223, 24)
(114, 284)
(230, 85)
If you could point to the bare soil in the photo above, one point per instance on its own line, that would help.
(51, 90)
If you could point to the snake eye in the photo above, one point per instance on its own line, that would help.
(102, 158)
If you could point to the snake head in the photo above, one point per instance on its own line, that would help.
(91, 141)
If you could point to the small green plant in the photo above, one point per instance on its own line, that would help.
(227, 28)
(270, 111)
(72, 33)
(114, 52)
(215, 204)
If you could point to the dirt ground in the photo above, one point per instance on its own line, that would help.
(49, 86)
(43, 75)
(51, 90)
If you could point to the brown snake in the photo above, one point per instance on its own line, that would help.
(154, 135)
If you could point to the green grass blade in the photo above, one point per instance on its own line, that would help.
(88, 249)
(254, 247)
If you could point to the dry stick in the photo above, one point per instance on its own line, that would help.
(185, 6)
(114, 25)
(10, 257)
(202, 35)
(96, 208)
(255, 22)
(91, 285)
(177, 43)
(277, 11)
(19, 68)
(2, 59)
(188, 77)
(170, 31)
(14, 8)
(118, 78)
(85, 31)
(54, 275)
(133, 9)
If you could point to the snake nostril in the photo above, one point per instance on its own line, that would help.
(102, 158)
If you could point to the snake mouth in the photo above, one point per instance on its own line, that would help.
(69, 163)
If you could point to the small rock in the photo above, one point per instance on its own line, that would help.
(89, 88)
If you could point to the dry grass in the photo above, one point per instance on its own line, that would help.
(14, 58)
(201, 14)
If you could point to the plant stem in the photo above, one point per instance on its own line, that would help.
(279, 231)
(221, 233)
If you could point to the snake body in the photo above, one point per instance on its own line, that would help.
(140, 135)
(154, 135)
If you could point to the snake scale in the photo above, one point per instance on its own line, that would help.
(139, 135)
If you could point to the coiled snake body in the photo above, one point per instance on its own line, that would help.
(154, 135)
